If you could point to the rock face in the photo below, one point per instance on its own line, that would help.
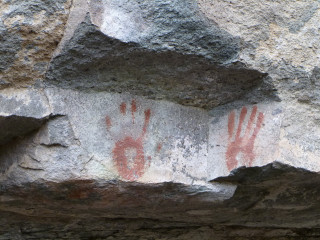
(159, 119)
(192, 75)
(30, 32)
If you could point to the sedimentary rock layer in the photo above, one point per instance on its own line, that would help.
(159, 119)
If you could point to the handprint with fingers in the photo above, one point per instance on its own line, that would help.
(128, 152)
(241, 145)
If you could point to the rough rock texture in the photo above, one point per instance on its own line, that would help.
(199, 78)
(30, 32)
(22, 111)
(193, 119)
(281, 38)
(267, 204)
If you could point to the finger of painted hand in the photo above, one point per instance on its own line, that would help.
(231, 156)
(258, 125)
(251, 120)
(241, 120)
(123, 108)
(108, 122)
(147, 114)
(231, 121)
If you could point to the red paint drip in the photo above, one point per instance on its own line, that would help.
(245, 144)
(108, 122)
(251, 120)
(147, 114)
(241, 120)
(123, 108)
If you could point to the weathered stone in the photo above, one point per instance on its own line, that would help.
(99, 145)
(96, 61)
(30, 31)
(21, 112)
(265, 197)
(281, 38)
(280, 32)
(244, 136)
(112, 136)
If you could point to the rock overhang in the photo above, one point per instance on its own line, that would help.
(104, 140)
(21, 112)
(159, 63)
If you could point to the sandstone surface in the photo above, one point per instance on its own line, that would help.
(193, 119)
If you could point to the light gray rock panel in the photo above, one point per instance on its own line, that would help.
(21, 112)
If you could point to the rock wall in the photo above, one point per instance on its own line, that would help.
(192, 119)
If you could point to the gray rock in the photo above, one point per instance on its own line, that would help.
(30, 31)
(92, 60)
(21, 112)
(159, 119)
(9, 44)
(57, 132)
(17, 126)
(91, 135)
(267, 204)
(165, 25)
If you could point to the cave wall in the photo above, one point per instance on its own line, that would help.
(157, 119)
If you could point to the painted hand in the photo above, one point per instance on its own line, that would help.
(241, 148)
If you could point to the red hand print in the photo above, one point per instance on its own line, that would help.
(242, 147)
(128, 152)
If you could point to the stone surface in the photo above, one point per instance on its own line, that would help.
(30, 32)
(159, 119)
(281, 38)
(21, 112)
(267, 204)
(112, 136)
(91, 59)
(245, 136)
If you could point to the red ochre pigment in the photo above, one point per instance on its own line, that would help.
(159, 146)
(130, 171)
(123, 108)
(121, 160)
(108, 122)
(245, 144)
